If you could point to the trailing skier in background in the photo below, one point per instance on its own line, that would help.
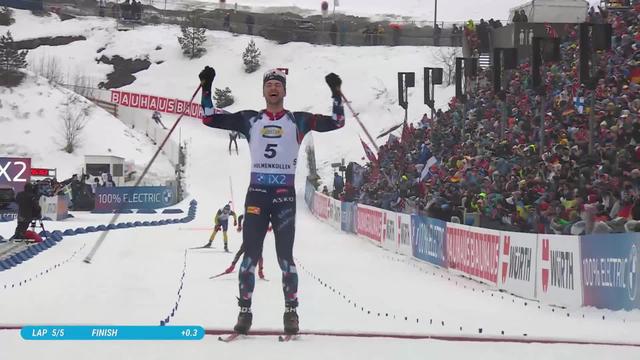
(274, 137)
(222, 222)
(233, 138)
(157, 118)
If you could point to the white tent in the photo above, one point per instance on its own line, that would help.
(553, 11)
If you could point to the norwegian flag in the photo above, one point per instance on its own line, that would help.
(551, 32)
(367, 150)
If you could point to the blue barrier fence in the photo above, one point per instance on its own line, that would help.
(52, 238)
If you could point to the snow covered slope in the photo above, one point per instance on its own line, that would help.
(369, 73)
(31, 119)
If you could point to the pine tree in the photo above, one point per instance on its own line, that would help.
(6, 18)
(193, 36)
(251, 57)
(223, 97)
(10, 58)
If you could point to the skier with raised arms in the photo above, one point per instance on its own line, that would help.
(274, 135)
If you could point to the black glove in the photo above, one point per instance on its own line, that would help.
(206, 78)
(334, 83)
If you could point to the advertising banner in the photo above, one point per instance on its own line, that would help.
(348, 217)
(473, 251)
(369, 223)
(54, 207)
(309, 192)
(156, 103)
(129, 197)
(390, 230)
(14, 173)
(404, 234)
(321, 206)
(429, 239)
(518, 263)
(610, 270)
(558, 270)
(335, 213)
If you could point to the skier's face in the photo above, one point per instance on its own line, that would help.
(273, 92)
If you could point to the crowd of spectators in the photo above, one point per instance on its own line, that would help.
(128, 10)
(498, 171)
(80, 190)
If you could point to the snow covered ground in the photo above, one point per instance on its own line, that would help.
(31, 119)
(136, 274)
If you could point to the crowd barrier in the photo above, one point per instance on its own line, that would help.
(593, 270)
(52, 238)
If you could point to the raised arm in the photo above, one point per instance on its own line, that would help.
(235, 122)
(322, 123)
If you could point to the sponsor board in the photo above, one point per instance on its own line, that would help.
(335, 213)
(404, 234)
(129, 197)
(429, 239)
(15, 173)
(369, 223)
(559, 275)
(348, 217)
(158, 103)
(54, 207)
(390, 230)
(610, 270)
(518, 255)
(309, 194)
(473, 251)
(321, 206)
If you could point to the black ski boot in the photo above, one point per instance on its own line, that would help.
(208, 245)
(226, 248)
(290, 320)
(245, 317)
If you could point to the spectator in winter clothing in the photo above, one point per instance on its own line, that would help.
(233, 139)
(338, 185)
(523, 17)
(437, 32)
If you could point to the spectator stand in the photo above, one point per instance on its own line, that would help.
(518, 180)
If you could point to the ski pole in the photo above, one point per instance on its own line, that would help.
(233, 207)
(355, 115)
(115, 217)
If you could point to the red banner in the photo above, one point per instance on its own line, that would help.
(473, 251)
(162, 104)
(321, 206)
(369, 222)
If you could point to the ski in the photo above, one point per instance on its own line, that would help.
(287, 337)
(202, 247)
(217, 276)
(229, 338)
